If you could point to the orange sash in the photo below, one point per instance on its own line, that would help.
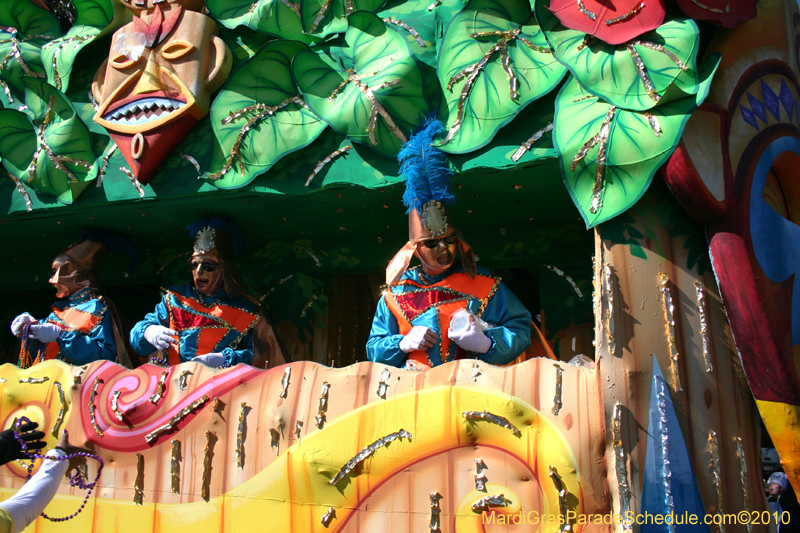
(460, 289)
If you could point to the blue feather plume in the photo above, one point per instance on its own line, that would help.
(116, 242)
(425, 168)
(237, 240)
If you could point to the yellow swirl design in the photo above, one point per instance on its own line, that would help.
(292, 493)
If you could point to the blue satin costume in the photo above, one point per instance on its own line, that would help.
(88, 329)
(510, 323)
(193, 310)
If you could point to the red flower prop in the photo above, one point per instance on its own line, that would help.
(729, 13)
(614, 22)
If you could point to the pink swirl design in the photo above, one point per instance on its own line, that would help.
(140, 416)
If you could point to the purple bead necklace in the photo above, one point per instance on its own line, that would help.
(75, 480)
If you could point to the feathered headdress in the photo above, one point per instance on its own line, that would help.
(428, 178)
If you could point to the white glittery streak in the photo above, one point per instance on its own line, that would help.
(61, 412)
(601, 141)
(662, 415)
(641, 71)
(654, 124)
(408, 28)
(716, 472)
(713, 9)
(435, 524)
(563, 508)
(383, 384)
(743, 476)
(527, 145)
(104, 166)
(480, 477)
(6, 90)
(582, 9)
(191, 160)
(328, 517)
(621, 466)
(701, 308)
(115, 405)
(609, 282)
(634, 10)
(294, 7)
(285, 381)
(566, 277)
(320, 16)
(669, 310)
(323, 405)
(472, 72)
(557, 398)
(322, 162)
(134, 181)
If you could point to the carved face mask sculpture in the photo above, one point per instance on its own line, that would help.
(157, 81)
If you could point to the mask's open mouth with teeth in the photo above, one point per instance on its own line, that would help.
(143, 110)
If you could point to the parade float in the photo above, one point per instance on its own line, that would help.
(627, 168)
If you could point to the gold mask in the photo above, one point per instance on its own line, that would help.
(157, 82)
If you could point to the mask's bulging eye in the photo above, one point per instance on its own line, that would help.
(122, 62)
(176, 49)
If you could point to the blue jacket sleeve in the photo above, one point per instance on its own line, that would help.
(511, 334)
(241, 355)
(383, 345)
(157, 318)
(83, 348)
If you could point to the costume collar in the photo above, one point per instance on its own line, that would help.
(419, 275)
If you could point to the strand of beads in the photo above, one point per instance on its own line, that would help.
(75, 480)
(26, 359)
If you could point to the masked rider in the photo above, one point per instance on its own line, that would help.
(84, 325)
(211, 320)
(412, 324)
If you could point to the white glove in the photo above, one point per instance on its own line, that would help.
(160, 337)
(214, 360)
(471, 338)
(18, 323)
(419, 338)
(46, 332)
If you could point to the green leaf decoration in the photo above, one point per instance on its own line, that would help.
(666, 58)
(92, 17)
(259, 136)
(377, 96)
(326, 17)
(609, 155)
(274, 17)
(20, 50)
(61, 161)
(493, 61)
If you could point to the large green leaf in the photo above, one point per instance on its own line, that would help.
(610, 72)
(326, 17)
(34, 27)
(488, 105)
(92, 17)
(275, 17)
(65, 135)
(264, 79)
(17, 141)
(377, 60)
(636, 145)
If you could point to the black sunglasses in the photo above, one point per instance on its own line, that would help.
(433, 243)
(208, 266)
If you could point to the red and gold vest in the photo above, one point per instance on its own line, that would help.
(213, 322)
(446, 297)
